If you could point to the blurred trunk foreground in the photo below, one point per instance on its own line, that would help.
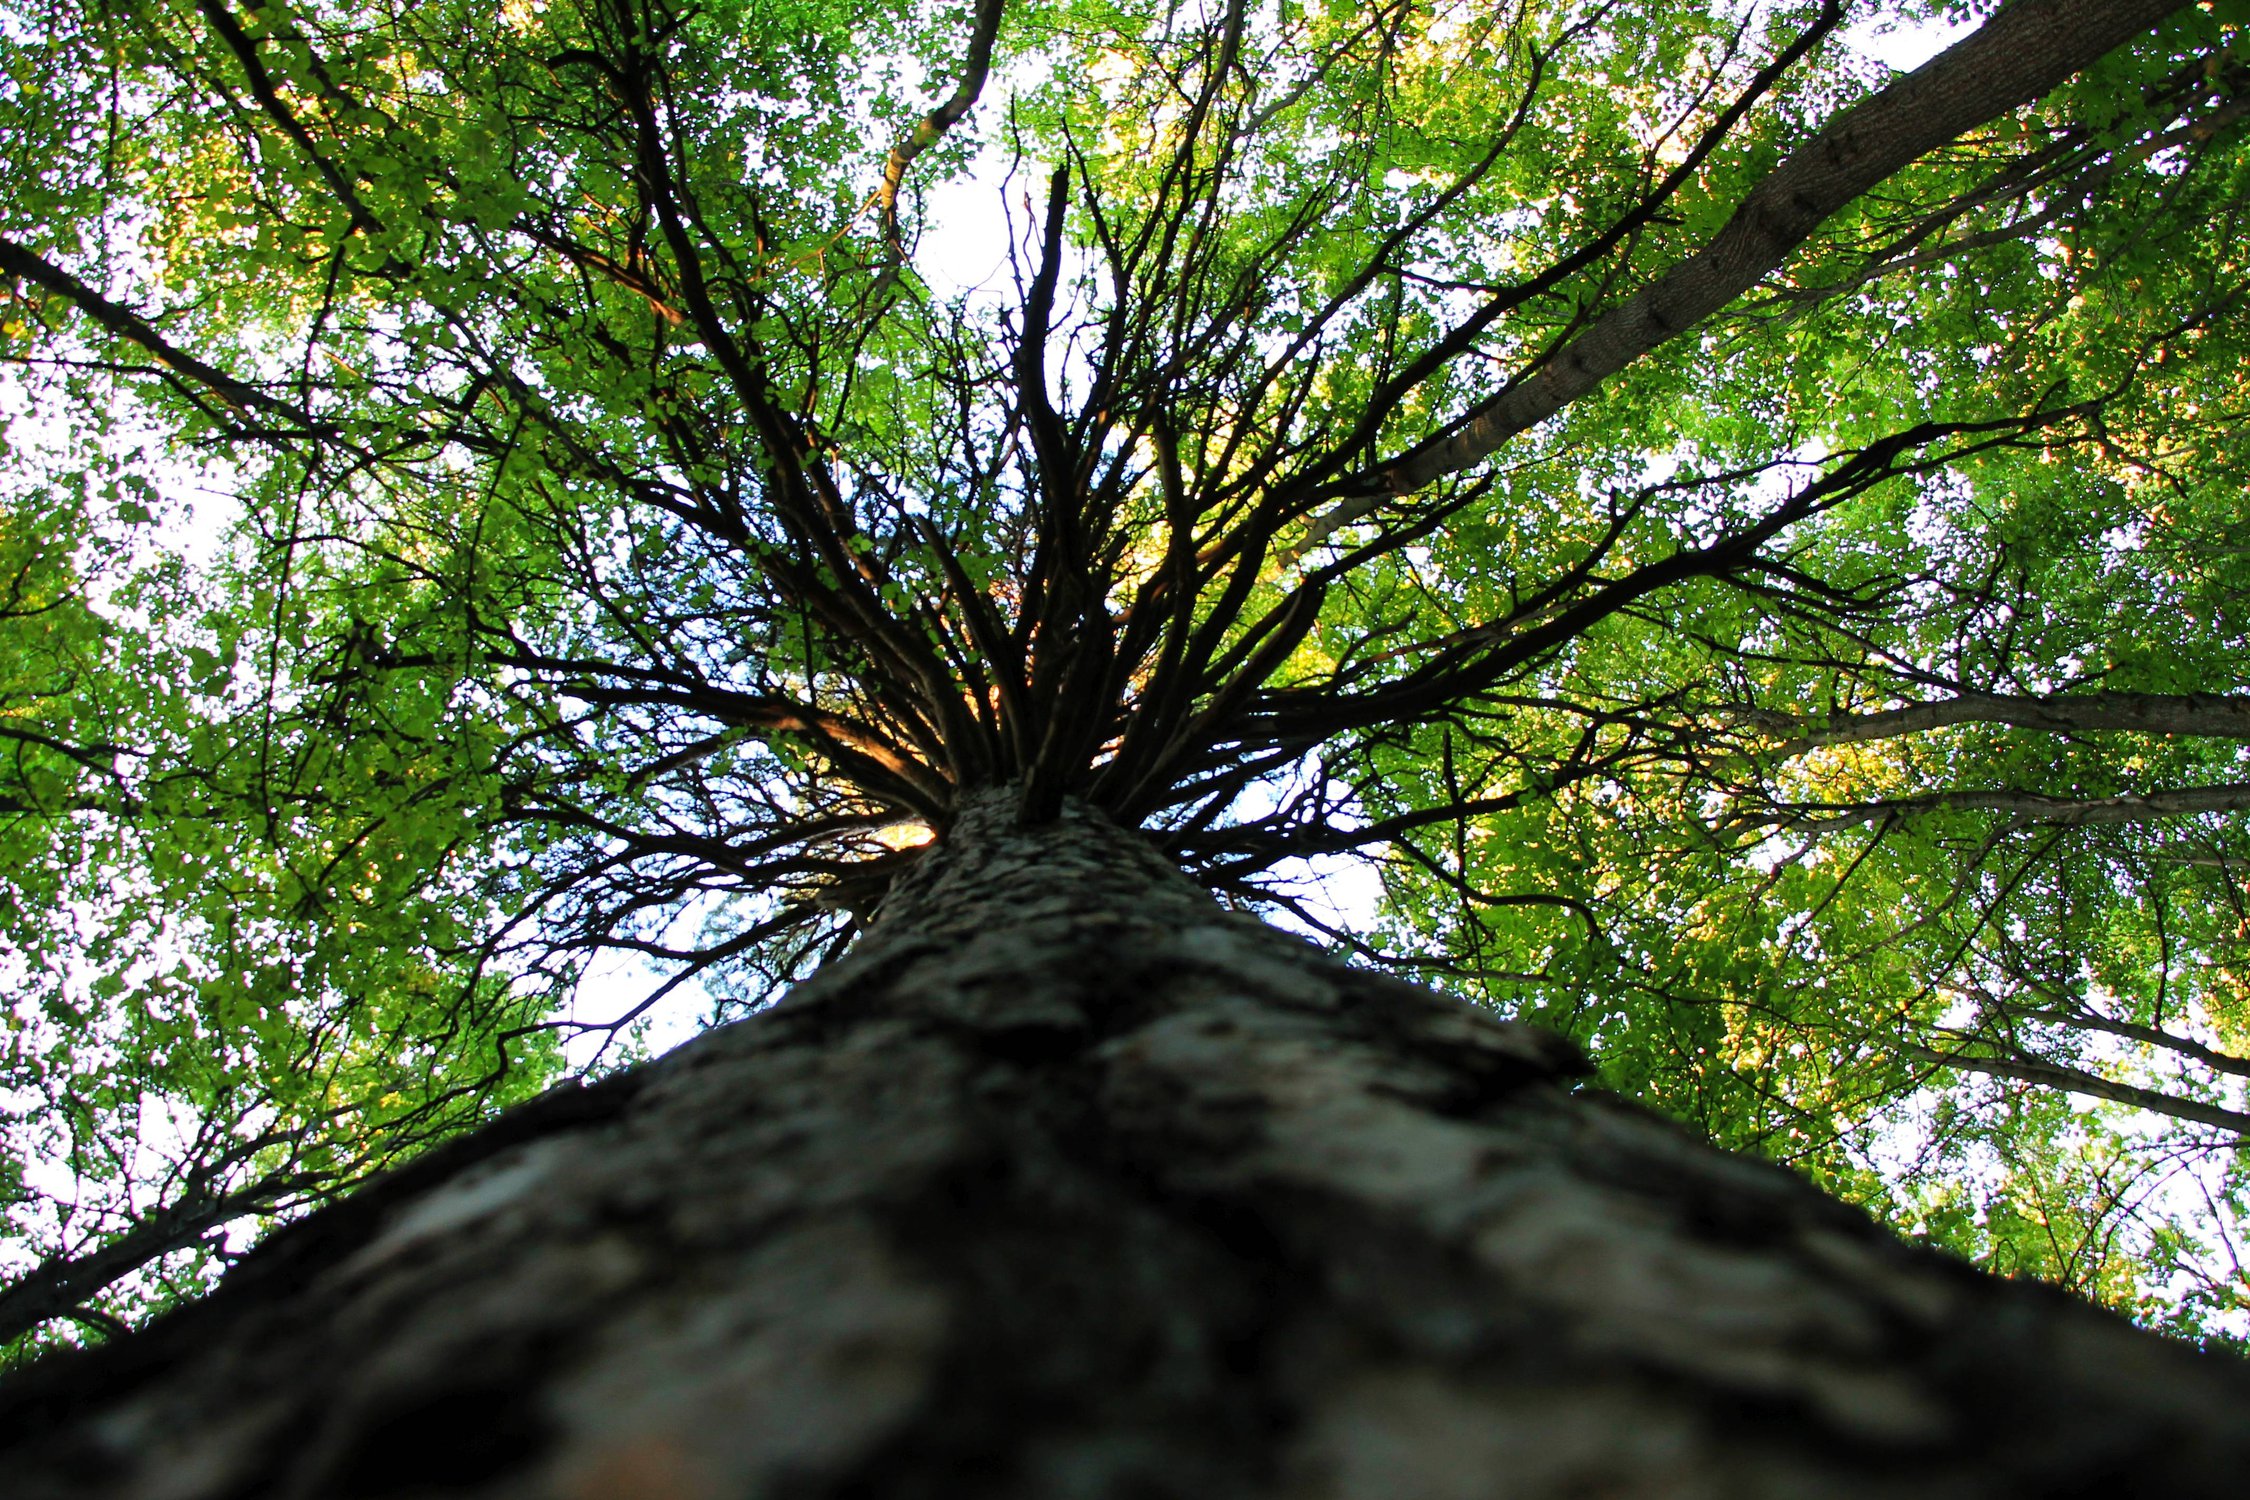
(1066, 1183)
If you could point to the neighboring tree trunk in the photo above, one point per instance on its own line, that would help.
(1068, 1184)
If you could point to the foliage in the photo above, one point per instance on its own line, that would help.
(1743, 543)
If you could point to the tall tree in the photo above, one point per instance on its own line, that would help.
(1664, 488)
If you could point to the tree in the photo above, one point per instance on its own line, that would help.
(1531, 446)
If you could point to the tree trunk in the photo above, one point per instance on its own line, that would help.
(1066, 1183)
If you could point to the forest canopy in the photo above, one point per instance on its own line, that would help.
(1729, 550)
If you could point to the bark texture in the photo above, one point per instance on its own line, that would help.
(1068, 1184)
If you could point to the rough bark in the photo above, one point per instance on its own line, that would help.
(1066, 1183)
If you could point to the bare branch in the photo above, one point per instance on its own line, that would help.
(2027, 808)
(2078, 1081)
(2214, 715)
(933, 126)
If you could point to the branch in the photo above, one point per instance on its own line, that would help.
(2078, 1081)
(933, 126)
(2027, 807)
(2066, 1014)
(2019, 182)
(134, 329)
(57, 1287)
(1477, 658)
(245, 50)
(2212, 715)
(2022, 53)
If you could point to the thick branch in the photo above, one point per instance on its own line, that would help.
(2214, 715)
(133, 328)
(245, 50)
(57, 1286)
(2155, 1036)
(932, 127)
(2078, 1081)
(2023, 52)
(2026, 807)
